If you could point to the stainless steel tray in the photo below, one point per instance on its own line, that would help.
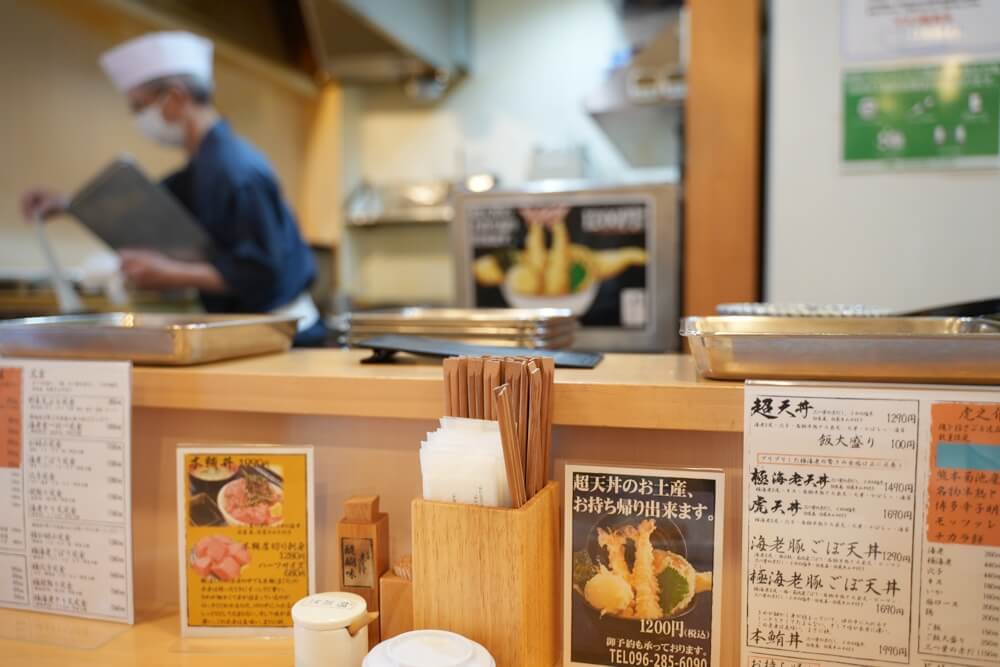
(886, 349)
(524, 319)
(156, 339)
(432, 330)
(352, 338)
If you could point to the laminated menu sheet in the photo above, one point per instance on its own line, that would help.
(65, 488)
(642, 567)
(871, 526)
(245, 537)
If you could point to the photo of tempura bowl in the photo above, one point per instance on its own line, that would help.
(666, 537)
(578, 303)
(626, 557)
(240, 508)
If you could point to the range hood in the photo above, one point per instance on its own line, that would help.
(383, 41)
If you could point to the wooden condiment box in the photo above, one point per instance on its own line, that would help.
(492, 575)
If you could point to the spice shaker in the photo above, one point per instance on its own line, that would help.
(331, 629)
(429, 648)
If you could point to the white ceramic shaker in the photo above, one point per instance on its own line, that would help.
(321, 625)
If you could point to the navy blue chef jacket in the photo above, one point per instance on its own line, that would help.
(231, 190)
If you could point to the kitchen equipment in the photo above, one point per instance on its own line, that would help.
(158, 339)
(125, 209)
(801, 310)
(396, 247)
(889, 349)
(608, 254)
(535, 328)
(69, 301)
(421, 648)
(983, 307)
(385, 347)
(331, 629)
(380, 41)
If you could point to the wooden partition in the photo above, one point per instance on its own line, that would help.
(722, 143)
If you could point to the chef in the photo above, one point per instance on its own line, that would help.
(260, 262)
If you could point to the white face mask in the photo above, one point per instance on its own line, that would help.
(150, 122)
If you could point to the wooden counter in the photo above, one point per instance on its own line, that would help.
(366, 424)
(40, 640)
(625, 391)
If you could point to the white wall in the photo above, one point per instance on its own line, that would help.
(898, 240)
(533, 63)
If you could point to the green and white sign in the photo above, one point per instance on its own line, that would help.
(945, 114)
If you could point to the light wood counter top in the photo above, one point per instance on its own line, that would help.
(38, 640)
(661, 391)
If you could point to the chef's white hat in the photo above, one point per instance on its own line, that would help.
(156, 55)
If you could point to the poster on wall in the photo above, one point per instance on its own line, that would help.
(942, 115)
(66, 488)
(588, 257)
(246, 537)
(643, 567)
(896, 29)
(871, 526)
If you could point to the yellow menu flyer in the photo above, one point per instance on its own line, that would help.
(245, 537)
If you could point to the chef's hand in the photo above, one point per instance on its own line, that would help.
(148, 269)
(39, 204)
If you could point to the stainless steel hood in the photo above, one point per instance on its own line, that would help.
(639, 105)
(382, 41)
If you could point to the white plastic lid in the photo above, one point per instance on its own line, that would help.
(328, 611)
(429, 648)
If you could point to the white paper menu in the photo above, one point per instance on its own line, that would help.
(65, 488)
(871, 526)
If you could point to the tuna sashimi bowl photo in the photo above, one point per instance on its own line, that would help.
(252, 500)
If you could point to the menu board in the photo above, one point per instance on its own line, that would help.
(643, 571)
(65, 488)
(872, 526)
(246, 537)
(589, 257)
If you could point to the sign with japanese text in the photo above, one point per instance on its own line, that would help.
(65, 488)
(871, 526)
(894, 29)
(643, 570)
(947, 113)
(246, 537)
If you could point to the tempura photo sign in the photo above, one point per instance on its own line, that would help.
(643, 568)
(246, 527)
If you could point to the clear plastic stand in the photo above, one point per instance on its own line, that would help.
(277, 646)
(62, 631)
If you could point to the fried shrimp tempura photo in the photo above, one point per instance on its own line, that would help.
(625, 591)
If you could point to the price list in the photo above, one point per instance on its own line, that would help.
(65, 521)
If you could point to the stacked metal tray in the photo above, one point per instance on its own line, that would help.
(156, 339)
(544, 328)
(951, 350)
